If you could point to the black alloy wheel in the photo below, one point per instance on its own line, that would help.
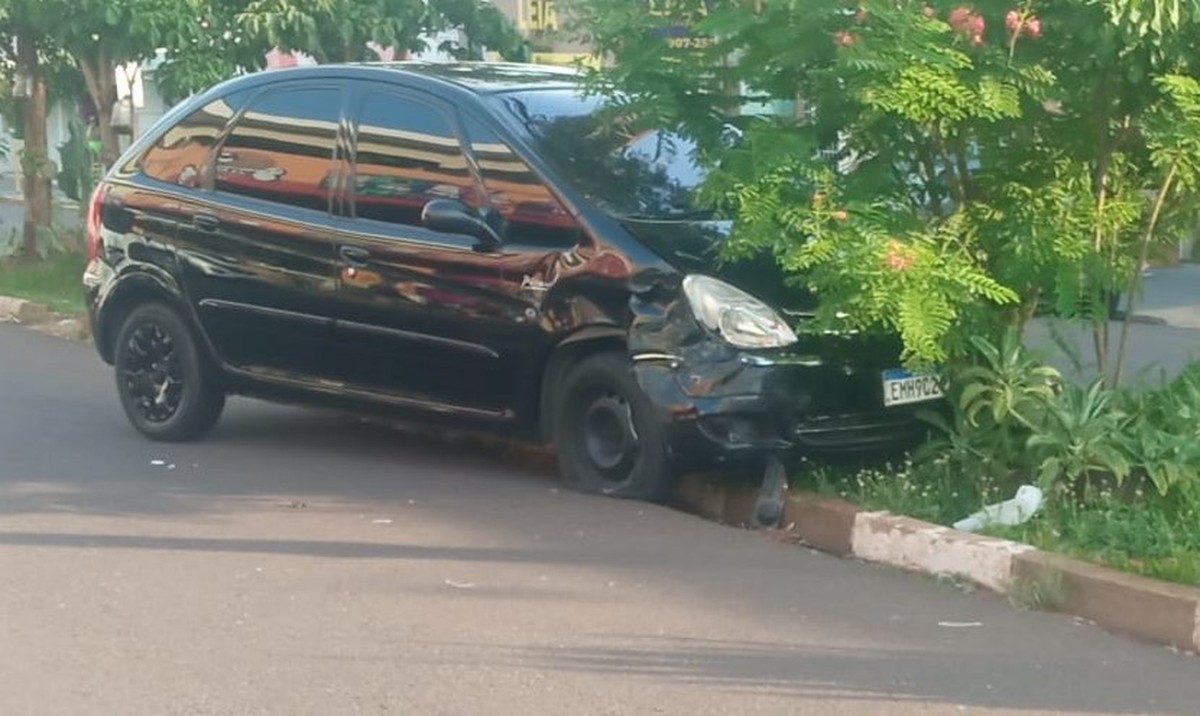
(167, 388)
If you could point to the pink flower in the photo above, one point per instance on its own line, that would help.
(844, 38)
(1022, 25)
(966, 21)
(898, 257)
(1012, 21)
(959, 17)
(840, 215)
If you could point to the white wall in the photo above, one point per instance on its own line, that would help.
(10, 165)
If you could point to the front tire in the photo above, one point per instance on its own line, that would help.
(167, 387)
(607, 436)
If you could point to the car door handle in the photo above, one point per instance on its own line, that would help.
(206, 222)
(354, 255)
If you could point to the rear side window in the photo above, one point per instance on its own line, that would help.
(282, 148)
(180, 156)
(533, 215)
(406, 155)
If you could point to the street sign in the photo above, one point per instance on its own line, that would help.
(541, 15)
(684, 14)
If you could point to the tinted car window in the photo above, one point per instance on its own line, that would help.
(652, 175)
(181, 154)
(533, 215)
(282, 148)
(406, 155)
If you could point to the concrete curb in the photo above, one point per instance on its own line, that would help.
(1126, 603)
(40, 318)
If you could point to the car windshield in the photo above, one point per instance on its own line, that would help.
(636, 175)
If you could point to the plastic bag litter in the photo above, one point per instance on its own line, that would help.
(1018, 510)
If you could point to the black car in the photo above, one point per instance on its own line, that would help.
(469, 243)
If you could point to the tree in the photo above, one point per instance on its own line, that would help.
(335, 30)
(213, 49)
(23, 25)
(97, 37)
(106, 35)
(957, 167)
(481, 26)
(341, 30)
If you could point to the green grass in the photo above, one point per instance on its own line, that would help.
(934, 492)
(55, 281)
(1155, 537)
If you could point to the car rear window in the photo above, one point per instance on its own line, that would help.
(181, 154)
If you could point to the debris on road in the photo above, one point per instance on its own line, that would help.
(460, 585)
(1019, 510)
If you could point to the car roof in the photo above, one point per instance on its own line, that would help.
(488, 77)
(477, 78)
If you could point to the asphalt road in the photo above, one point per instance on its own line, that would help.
(298, 562)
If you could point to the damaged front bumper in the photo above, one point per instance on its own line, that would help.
(739, 410)
(823, 395)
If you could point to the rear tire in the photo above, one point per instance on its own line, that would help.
(608, 438)
(168, 388)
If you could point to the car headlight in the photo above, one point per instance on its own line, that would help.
(741, 319)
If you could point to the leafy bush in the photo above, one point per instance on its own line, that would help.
(951, 167)
(1015, 417)
(76, 177)
(1080, 440)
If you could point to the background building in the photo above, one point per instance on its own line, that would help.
(544, 23)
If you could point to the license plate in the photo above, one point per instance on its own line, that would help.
(901, 387)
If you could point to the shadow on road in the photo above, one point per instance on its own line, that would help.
(975, 678)
(94, 463)
(305, 548)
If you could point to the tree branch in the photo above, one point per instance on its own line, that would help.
(956, 187)
(1136, 280)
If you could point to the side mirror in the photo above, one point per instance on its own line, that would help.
(451, 216)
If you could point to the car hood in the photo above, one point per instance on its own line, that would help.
(694, 247)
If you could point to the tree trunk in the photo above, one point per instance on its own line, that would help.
(34, 162)
(100, 77)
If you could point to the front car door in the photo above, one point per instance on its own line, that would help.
(548, 265)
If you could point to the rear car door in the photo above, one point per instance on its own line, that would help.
(257, 251)
(419, 318)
